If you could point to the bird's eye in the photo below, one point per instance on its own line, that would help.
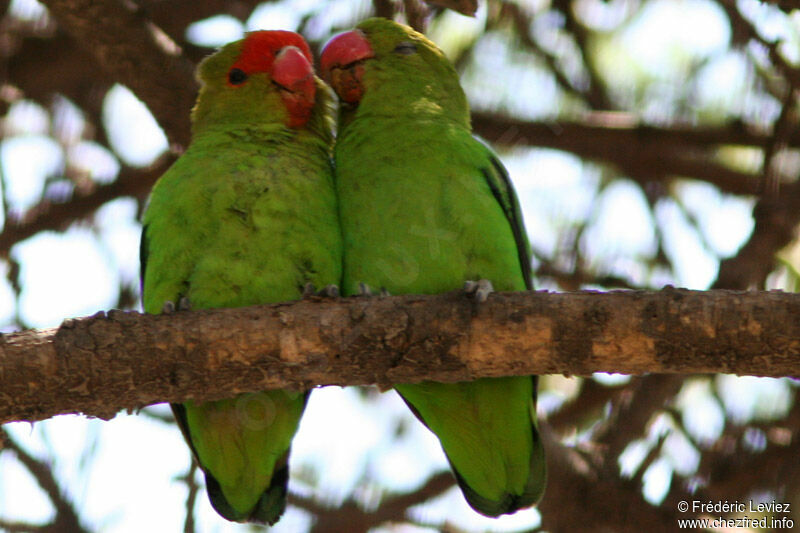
(237, 76)
(406, 48)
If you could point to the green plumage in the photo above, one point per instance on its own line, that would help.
(246, 216)
(425, 207)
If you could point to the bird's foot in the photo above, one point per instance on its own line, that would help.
(480, 290)
(328, 291)
(366, 290)
(183, 305)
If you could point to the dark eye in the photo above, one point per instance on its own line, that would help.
(237, 76)
(406, 48)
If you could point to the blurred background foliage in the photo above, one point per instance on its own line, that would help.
(652, 142)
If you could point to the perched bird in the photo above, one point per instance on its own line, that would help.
(424, 208)
(247, 215)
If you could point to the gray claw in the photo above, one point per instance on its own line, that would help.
(363, 289)
(184, 304)
(309, 290)
(169, 306)
(480, 290)
(366, 290)
(329, 291)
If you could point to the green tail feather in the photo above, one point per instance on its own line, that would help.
(270, 505)
(510, 502)
(487, 473)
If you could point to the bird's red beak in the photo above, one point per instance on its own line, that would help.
(293, 73)
(342, 64)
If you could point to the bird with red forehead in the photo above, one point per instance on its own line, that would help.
(427, 208)
(267, 70)
(246, 216)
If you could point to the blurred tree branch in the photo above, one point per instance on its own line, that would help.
(728, 465)
(175, 16)
(66, 518)
(128, 41)
(574, 471)
(573, 499)
(351, 517)
(596, 93)
(644, 153)
(191, 497)
(693, 149)
(135, 52)
(120, 360)
(776, 220)
(57, 216)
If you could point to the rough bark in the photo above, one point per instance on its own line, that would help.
(124, 360)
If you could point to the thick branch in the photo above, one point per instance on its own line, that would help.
(120, 360)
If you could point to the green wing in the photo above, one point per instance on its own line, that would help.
(241, 444)
(487, 427)
(425, 207)
(224, 231)
(503, 191)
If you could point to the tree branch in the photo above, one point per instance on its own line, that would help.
(135, 52)
(578, 494)
(49, 215)
(776, 220)
(596, 93)
(350, 516)
(66, 519)
(649, 153)
(124, 360)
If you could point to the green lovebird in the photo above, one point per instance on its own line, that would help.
(426, 207)
(247, 215)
